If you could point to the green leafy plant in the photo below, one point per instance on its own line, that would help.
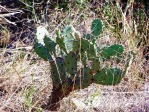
(76, 62)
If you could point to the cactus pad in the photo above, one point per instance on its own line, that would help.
(87, 78)
(107, 76)
(113, 50)
(82, 45)
(55, 75)
(91, 51)
(67, 33)
(95, 65)
(60, 42)
(96, 27)
(61, 67)
(71, 63)
(42, 51)
(50, 45)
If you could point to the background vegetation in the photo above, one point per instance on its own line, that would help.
(25, 81)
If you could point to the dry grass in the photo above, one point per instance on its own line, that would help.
(25, 82)
(18, 76)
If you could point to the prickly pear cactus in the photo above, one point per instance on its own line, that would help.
(55, 75)
(83, 46)
(61, 68)
(114, 50)
(71, 63)
(68, 37)
(80, 45)
(96, 30)
(42, 51)
(91, 51)
(60, 42)
(82, 50)
(108, 76)
(95, 65)
(96, 27)
(86, 78)
(50, 45)
(58, 71)
(69, 56)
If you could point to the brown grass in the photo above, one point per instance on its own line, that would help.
(25, 82)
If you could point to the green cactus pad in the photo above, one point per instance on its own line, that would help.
(96, 27)
(67, 33)
(58, 71)
(84, 59)
(76, 46)
(61, 67)
(76, 83)
(113, 50)
(91, 51)
(50, 45)
(55, 75)
(42, 51)
(69, 44)
(83, 46)
(87, 77)
(111, 76)
(71, 63)
(60, 42)
(95, 65)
